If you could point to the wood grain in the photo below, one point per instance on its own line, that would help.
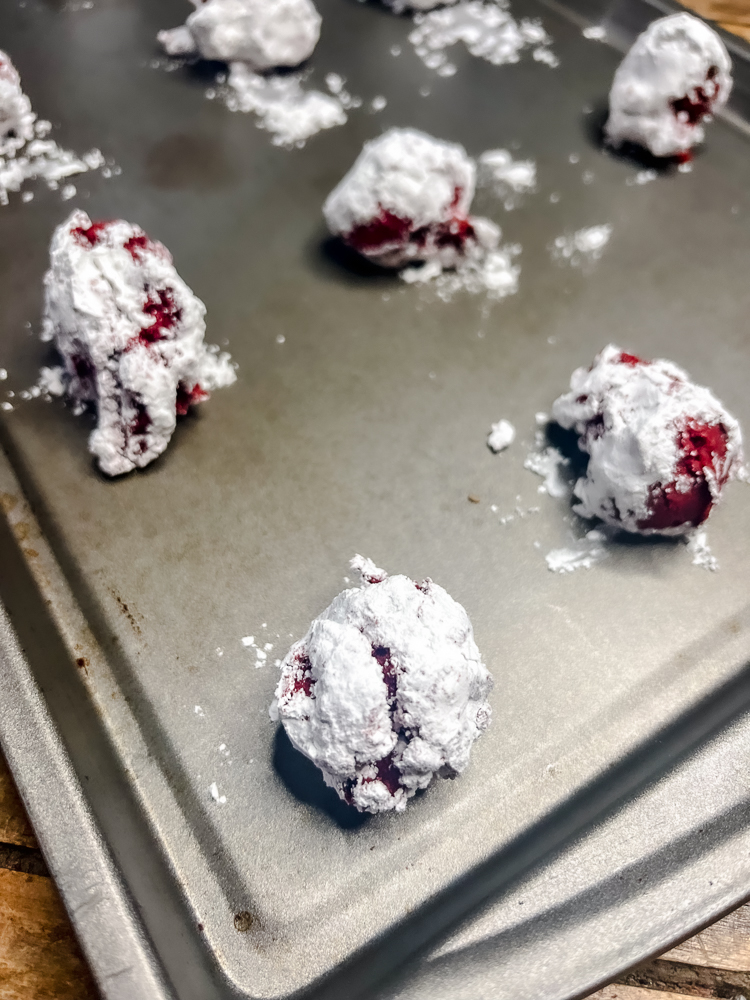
(14, 826)
(39, 956)
(616, 992)
(724, 945)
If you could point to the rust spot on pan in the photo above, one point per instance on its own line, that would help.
(127, 612)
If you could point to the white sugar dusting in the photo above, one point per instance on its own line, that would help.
(282, 105)
(481, 270)
(216, 795)
(582, 247)
(700, 550)
(550, 464)
(488, 31)
(508, 179)
(25, 151)
(583, 554)
(42, 159)
(641, 178)
(596, 32)
(501, 436)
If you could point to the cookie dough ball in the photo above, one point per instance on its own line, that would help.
(16, 116)
(386, 690)
(262, 33)
(399, 6)
(677, 73)
(660, 448)
(406, 199)
(130, 333)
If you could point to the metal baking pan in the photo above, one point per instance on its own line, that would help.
(621, 688)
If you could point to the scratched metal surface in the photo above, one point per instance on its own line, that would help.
(363, 431)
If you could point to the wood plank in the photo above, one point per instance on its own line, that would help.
(14, 825)
(616, 992)
(39, 956)
(724, 945)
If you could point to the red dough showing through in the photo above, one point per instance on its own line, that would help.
(701, 103)
(630, 359)
(388, 229)
(702, 448)
(90, 236)
(187, 397)
(159, 305)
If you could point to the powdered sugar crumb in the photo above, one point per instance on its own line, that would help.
(501, 436)
(283, 107)
(582, 247)
(43, 159)
(700, 550)
(597, 32)
(215, 795)
(642, 177)
(584, 554)
(487, 30)
(509, 179)
(549, 464)
(481, 270)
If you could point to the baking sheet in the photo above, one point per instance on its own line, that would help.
(363, 431)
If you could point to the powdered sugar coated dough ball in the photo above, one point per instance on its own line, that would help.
(407, 199)
(660, 448)
(16, 116)
(399, 6)
(386, 690)
(262, 33)
(677, 73)
(130, 333)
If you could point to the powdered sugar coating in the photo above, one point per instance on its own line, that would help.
(130, 333)
(386, 690)
(262, 33)
(660, 447)
(16, 116)
(406, 199)
(677, 73)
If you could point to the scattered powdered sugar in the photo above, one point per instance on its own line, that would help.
(642, 177)
(551, 465)
(199, 712)
(25, 151)
(583, 554)
(501, 436)
(487, 30)
(481, 270)
(597, 32)
(42, 159)
(215, 795)
(509, 179)
(700, 550)
(283, 107)
(582, 247)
